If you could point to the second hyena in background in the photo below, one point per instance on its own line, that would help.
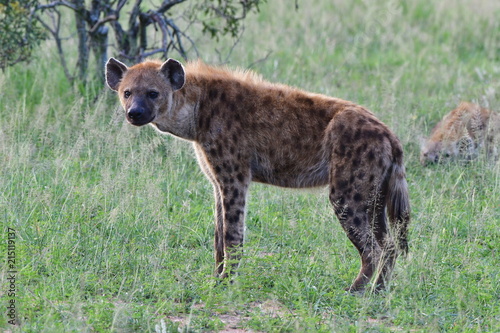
(462, 135)
(246, 129)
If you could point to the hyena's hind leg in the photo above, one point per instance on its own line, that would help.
(380, 228)
(360, 163)
(356, 222)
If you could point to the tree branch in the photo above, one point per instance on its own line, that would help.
(101, 22)
(55, 4)
(167, 4)
(55, 34)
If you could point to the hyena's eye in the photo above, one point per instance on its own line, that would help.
(126, 94)
(153, 94)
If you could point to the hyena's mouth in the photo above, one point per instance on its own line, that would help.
(139, 120)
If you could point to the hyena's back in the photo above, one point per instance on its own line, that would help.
(288, 134)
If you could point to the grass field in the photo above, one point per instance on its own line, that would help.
(114, 224)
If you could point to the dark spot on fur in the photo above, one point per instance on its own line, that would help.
(361, 175)
(348, 212)
(372, 135)
(372, 177)
(357, 197)
(234, 218)
(355, 163)
(347, 192)
(342, 184)
(357, 221)
(305, 100)
(217, 169)
(371, 155)
(346, 137)
(236, 193)
(223, 96)
(212, 93)
(398, 153)
(228, 236)
(340, 151)
(267, 101)
(240, 177)
(213, 152)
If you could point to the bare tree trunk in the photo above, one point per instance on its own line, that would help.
(83, 51)
(99, 40)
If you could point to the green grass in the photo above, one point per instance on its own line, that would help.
(114, 224)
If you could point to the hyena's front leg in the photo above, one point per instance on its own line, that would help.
(219, 232)
(219, 213)
(233, 189)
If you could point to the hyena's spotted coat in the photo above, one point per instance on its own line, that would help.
(245, 129)
(462, 135)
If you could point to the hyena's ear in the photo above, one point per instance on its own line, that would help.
(114, 73)
(174, 72)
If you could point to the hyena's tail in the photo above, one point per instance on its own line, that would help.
(398, 205)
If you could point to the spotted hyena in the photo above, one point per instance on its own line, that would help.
(246, 129)
(462, 134)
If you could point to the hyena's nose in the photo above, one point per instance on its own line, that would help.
(135, 113)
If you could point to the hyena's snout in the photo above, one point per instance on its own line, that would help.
(139, 114)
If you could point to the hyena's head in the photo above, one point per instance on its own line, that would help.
(442, 151)
(145, 89)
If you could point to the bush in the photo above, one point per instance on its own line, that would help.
(19, 34)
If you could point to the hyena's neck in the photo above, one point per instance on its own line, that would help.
(201, 106)
(180, 119)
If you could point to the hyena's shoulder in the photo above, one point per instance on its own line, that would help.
(460, 134)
